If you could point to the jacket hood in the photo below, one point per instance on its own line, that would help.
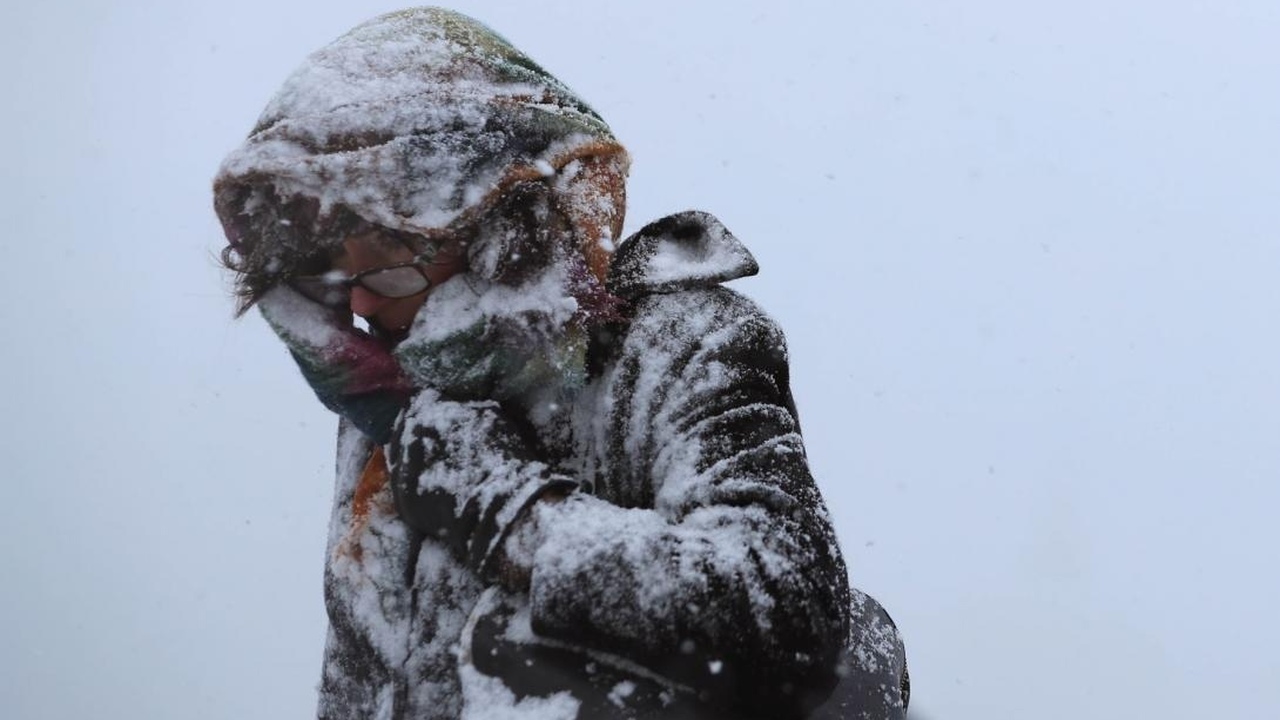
(416, 120)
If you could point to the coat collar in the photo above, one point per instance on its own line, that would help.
(685, 250)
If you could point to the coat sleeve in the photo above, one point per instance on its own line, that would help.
(724, 574)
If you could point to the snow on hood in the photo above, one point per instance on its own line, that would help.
(424, 121)
(415, 120)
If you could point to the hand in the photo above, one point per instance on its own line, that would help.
(497, 342)
(460, 472)
(353, 373)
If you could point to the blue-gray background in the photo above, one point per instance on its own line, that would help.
(1025, 253)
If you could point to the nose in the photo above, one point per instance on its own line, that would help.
(364, 303)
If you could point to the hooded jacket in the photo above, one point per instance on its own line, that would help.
(689, 568)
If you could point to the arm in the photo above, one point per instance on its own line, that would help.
(731, 582)
(723, 574)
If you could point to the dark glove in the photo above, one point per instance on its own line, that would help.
(461, 472)
(351, 372)
(496, 342)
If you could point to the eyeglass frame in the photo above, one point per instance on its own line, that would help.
(334, 280)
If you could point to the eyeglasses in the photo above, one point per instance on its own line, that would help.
(393, 282)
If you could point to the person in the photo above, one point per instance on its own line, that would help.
(570, 476)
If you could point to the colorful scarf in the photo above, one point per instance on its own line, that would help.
(352, 372)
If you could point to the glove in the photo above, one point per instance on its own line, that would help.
(353, 373)
(499, 342)
(461, 472)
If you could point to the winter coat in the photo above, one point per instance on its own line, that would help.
(692, 573)
(646, 467)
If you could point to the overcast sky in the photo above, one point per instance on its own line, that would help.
(1026, 256)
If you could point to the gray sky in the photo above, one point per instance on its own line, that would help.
(1025, 256)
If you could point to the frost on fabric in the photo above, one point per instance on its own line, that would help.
(411, 614)
(308, 323)
(646, 570)
(456, 461)
(705, 543)
(879, 644)
(697, 541)
(446, 591)
(412, 119)
(487, 698)
(708, 533)
(476, 338)
(676, 258)
(368, 553)
(466, 301)
(583, 197)
(658, 427)
(664, 332)
(688, 249)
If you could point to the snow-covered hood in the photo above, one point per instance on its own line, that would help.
(424, 121)
(415, 120)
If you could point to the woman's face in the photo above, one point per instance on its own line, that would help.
(369, 250)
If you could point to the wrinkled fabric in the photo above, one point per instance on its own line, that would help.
(412, 118)
(695, 572)
(477, 339)
(462, 475)
(353, 373)
(418, 120)
(691, 571)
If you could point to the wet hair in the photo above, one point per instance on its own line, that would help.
(271, 240)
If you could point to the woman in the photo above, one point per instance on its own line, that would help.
(571, 482)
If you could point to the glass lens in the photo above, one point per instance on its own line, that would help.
(322, 289)
(395, 282)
